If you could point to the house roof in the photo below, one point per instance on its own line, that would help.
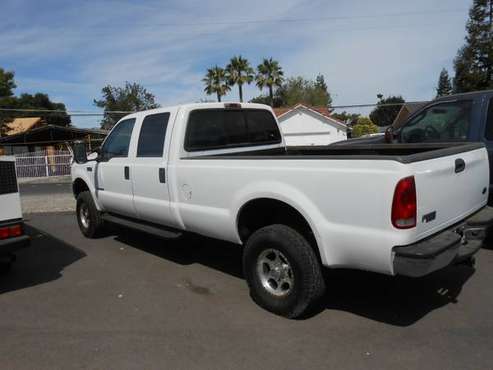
(405, 112)
(322, 111)
(50, 134)
(20, 125)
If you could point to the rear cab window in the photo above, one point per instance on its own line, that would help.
(212, 129)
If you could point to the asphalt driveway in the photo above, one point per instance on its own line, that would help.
(134, 301)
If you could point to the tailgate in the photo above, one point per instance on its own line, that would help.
(449, 188)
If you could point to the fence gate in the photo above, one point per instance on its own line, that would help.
(43, 164)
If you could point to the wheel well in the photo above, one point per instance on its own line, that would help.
(265, 211)
(79, 186)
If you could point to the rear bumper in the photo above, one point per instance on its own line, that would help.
(451, 245)
(8, 246)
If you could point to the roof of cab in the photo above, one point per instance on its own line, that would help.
(192, 106)
(472, 94)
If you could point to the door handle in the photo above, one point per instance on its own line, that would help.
(162, 175)
(460, 165)
(126, 171)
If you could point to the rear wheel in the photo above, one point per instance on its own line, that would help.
(282, 271)
(88, 216)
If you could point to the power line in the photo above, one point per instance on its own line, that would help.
(88, 113)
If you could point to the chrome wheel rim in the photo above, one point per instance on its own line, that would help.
(275, 272)
(84, 215)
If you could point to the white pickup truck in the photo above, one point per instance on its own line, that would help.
(222, 170)
(12, 236)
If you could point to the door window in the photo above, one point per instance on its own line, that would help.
(441, 122)
(117, 143)
(152, 135)
(489, 121)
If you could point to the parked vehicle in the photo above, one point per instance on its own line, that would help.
(453, 118)
(12, 236)
(223, 171)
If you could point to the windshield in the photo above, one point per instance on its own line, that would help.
(447, 121)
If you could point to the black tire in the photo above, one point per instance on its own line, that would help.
(305, 271)
(94, 226)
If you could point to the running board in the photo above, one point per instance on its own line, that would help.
(153, 229)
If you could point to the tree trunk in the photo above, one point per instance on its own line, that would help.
(240, 87)
(271, 95)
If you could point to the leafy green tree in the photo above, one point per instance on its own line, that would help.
(297, 90)
(473, 64)
(132, 97)
(27, 101)
(270, 75)
(215, 82)
(7, 83)
(444, 84)
(322, 90)
(346, 117)
(364, 126)
(239, 72)
(386, 110)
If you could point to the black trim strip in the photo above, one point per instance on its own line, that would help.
(303, 153)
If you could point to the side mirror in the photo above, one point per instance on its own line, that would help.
(80, 155)
(389, 135)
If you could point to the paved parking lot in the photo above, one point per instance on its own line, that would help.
(134, 301)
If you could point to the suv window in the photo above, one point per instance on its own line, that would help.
(441, 122)
(117, 143)
(489, 121)
(220, 128)
(152, 135)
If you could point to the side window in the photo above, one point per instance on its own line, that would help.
(220, 128)
(489, 121)
(116, 145)
(441, 122)
(152, 135)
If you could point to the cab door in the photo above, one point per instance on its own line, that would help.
(114, 187)
(150, 170)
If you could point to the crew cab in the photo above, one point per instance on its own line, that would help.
(12, 237)
(223, 170)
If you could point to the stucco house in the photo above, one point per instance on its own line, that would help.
(303, 125)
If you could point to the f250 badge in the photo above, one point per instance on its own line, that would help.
(429, 217)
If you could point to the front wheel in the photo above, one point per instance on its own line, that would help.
(282, 271)
(88, 216)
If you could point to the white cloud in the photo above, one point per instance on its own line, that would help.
(72, 51)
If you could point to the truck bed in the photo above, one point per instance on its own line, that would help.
(403, 153)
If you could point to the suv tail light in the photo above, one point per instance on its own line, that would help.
(10, 231)
(404, 204)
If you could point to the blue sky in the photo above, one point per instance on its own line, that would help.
(71, 49)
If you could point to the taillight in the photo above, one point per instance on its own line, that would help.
(4, 232)
(404, 204)
(15, 230)
(10, 231)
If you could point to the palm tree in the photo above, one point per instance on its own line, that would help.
(215, 82)
(269, 75)
(239, 72)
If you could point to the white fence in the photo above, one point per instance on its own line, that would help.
(43, 164)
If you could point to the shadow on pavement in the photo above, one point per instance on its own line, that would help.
(398, 301)
(43, 261)
(395, 301)
(188, 250)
